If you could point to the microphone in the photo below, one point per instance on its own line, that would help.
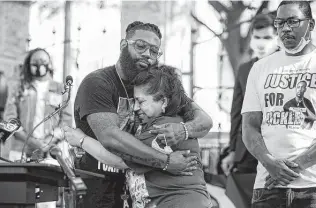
(69, 81)
(77, 183)
(68, 85)
(7, 129)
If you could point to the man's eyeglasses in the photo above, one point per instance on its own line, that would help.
(141, 46)
(291, 22)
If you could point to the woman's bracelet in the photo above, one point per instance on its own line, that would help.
(82, 140)
(167, 163)
(185, 130)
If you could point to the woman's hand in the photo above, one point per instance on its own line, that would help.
(172, 133)
(73, 136)
(58, 133)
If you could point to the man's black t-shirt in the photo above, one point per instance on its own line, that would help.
(102, 91)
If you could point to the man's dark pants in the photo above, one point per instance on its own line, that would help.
(284, 198)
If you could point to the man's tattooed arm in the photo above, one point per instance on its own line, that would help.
(152, 162)
(307, 158)
(201, 123)
(123, 144)
(251, 135)
(279, 170)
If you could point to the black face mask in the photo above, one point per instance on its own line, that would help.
(38, 71)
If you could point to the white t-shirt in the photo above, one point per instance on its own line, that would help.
(42, 90)
(275, 88)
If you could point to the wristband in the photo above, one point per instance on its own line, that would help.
(167, 163)
(81, 141)
(185, 130)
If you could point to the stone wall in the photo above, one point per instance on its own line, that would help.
(14, 32)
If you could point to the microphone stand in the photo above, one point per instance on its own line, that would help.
(59, 108)
(76, 187)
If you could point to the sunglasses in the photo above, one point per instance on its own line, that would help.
(141, 46)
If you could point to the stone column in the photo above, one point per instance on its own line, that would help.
(14, 32)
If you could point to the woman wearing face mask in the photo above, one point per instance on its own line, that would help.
(34, 98)
(159, 98)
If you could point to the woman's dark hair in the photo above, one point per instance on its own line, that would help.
(26, 68)
(163, 81)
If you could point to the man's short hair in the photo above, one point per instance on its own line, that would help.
(304, 6)
(262, 21)
(137, 25)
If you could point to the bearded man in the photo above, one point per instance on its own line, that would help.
(104, 110)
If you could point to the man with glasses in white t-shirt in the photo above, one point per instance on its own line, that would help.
(286, 151)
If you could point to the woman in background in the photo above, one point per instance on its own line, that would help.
(37, 96)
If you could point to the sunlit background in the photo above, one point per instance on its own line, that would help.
(206, 40)
(98, 26)
(95, 29)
